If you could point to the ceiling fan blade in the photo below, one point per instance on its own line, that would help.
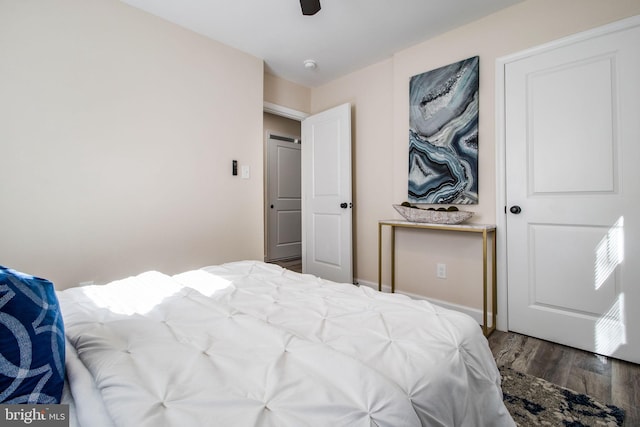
(310, 7)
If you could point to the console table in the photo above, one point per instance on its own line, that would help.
(483, 229)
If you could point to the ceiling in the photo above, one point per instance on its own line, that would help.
(344, 36)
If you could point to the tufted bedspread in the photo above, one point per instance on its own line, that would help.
(251, 344)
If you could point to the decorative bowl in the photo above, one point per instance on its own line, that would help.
(433, 217)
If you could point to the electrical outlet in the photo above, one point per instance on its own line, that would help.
(441, 271)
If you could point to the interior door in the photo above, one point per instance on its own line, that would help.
(572, 129)
(326, 195)
(284, 198)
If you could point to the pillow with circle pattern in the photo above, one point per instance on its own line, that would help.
(31, 340)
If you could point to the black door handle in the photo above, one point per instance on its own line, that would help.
(344, 205)
(271, 206)
(515, 209)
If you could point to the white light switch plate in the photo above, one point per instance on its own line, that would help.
(245, 172)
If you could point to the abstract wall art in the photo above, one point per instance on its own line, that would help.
(443, 134)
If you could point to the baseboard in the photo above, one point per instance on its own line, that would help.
(473, 312)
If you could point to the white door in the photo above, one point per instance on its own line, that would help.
(326, 194)
(284, 219)
(572, 132)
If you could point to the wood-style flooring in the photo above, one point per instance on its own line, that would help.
(294, 264)
(610, 381)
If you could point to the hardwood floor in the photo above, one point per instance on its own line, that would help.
(294, 264)
(611, 381)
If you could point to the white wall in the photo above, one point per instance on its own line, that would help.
(380, 95)
(116, 138)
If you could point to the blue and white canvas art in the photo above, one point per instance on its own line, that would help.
(443, 134)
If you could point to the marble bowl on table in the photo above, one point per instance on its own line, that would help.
(432, 216)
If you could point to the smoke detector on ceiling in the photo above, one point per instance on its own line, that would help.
(310, 64)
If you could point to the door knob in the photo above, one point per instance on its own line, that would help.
(515, 209)
(344, 205)
(271, 206)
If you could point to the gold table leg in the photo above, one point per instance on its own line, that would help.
(486, 329)
(494, 284)
(393, 259)
(379, 257)
(484, 283)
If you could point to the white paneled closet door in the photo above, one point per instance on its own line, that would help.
(572, 154)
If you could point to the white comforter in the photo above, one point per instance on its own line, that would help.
(251, 344)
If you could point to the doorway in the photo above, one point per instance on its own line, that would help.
(283, 229)
(326, 206)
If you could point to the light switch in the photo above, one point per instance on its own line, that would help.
(246, 172)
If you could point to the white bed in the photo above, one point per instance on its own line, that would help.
(252, 344)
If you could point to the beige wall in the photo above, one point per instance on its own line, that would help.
(281, 126)
(380, 96)
(118, 131)
(369, 91)
(286, 94)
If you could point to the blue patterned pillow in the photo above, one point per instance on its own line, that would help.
(31, 340)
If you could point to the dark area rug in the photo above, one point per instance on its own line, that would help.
(532, 401)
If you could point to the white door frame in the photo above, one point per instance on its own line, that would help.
(501, 197)
(279, 110)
